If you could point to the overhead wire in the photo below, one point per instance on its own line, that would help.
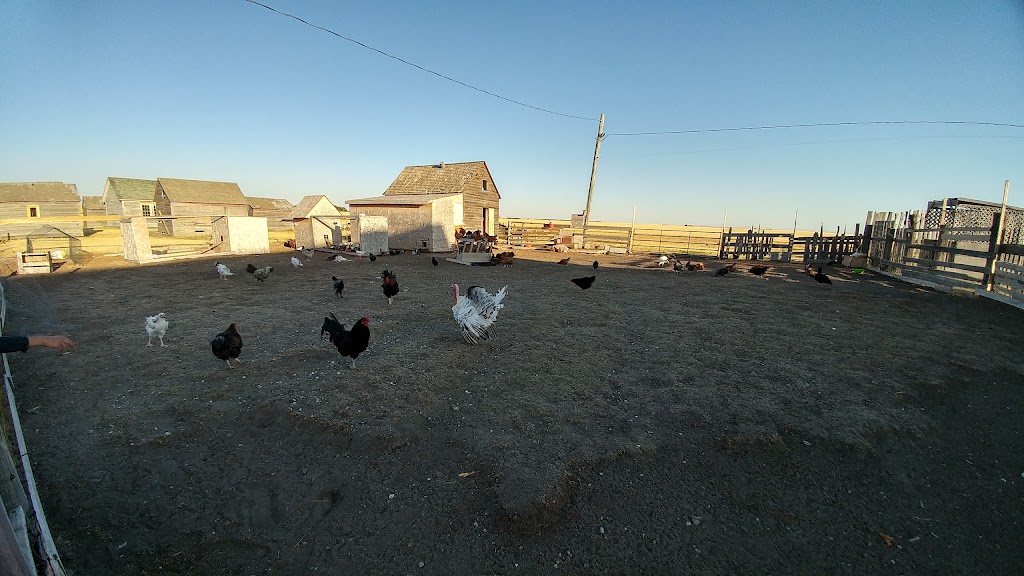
(417, 66)
(816, 125)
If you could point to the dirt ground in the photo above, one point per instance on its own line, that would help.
(658, 423)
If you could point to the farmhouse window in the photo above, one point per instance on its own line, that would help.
(485, 185)
(33, 211)
(147, 209)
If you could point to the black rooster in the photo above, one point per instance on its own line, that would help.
(349, 343)
(758, 270)
(584, 283)
(339, 286)
(433, 261)
(722, 271)
(390, 285)
(227, 345)
(822, 278)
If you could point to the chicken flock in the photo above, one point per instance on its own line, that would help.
(475, 312)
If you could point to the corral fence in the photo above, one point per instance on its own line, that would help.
(958, 244)
(684, 240)
(25, 540)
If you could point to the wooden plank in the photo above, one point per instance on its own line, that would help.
(1013, 249)
(12, 561)
(1001, 266)
(950, 289)
(1000, 298)
(957, 265)
(910, 269)
(945, 250)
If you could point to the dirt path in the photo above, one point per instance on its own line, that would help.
(656, 423)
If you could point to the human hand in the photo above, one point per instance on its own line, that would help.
(62, 343)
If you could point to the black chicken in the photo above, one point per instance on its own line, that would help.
(339, 286)
(758, 270)
(722, 271)
(822, 278)
(227, 345)
(390, 285)
(349, 343)
(584, 283)
(373, 258)
(433, 261)
(595, 264)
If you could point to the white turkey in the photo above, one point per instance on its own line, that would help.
(476, 311)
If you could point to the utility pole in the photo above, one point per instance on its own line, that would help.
(593, 176)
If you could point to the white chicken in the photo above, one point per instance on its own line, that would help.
(156, 327)
(476, 311)
(308, 253)
(296, 263)
(224, 271)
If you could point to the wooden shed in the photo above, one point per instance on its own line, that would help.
(317, 222)
(32, 207)
(195, 203)
(415, 221)
(480, 196)
(129, 196)
(277, 211)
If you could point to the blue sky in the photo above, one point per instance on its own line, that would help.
(230, 91)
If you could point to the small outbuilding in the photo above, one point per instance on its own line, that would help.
(129, 197)
(195, 203)
(277, 211)
(473, 180)
(35, 207)
(317, 222)
(414, 221)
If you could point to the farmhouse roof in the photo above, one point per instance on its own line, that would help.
(93, 202)
(202, 191)
(306, 206)
(399, 200)
(269, 203)
(132, 188)
(437, 178)
(38, 192)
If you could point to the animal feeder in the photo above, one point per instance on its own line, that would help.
(472, 252)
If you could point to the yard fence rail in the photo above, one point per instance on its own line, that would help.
(22, 521)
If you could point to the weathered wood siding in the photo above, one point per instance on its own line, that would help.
(475, 199)
(193, 219)
(409, 227)
(42, 225)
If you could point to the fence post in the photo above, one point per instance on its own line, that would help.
(993, 252)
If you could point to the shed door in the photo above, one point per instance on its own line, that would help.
(489, 221)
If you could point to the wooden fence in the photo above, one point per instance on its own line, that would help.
(975, 258)
(684, 240)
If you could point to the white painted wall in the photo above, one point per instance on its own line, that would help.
(241, 235)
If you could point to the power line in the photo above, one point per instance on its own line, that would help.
(819, 124)
(853, 140)
(414, 65)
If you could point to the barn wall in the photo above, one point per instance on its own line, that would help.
(46, 210)
(241, 235)
(277, 219)
(408, 226)
(476, 199)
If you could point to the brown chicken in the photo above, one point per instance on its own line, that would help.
(694, 266)
(563, 261)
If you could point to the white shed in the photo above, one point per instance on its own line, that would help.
(241, 235)
(416, 221)
(317, 222)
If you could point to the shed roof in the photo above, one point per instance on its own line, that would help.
(305, 207)
(202, 191)
(437, 178)
(38, 192)
(399, 200)
(269, 203)
(132, 188)
(93, 203)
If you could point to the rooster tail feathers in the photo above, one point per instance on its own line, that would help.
(250, 268)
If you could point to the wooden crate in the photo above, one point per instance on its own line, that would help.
(34, 263)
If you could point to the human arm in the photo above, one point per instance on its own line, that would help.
(22, 343)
